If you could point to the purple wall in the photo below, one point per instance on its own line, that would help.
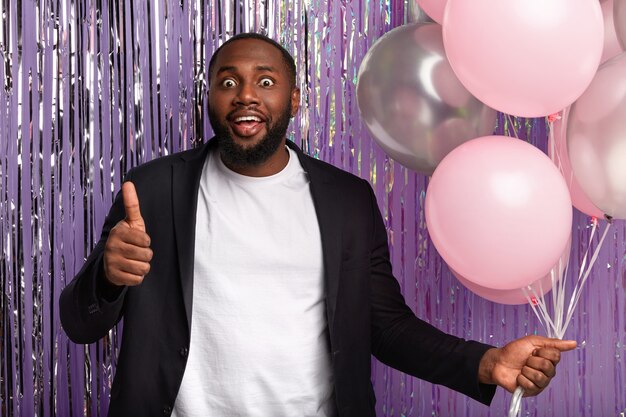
(92, 88)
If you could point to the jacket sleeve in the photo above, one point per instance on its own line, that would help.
(89, 305)
(403, 341)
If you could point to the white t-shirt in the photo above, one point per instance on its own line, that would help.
(259, 334)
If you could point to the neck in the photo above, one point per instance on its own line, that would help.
(273, 165)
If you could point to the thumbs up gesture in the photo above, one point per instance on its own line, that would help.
(127, 252)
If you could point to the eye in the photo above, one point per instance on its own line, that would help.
(266, 82)
(228, 83)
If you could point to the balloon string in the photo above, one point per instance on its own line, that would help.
(556, 328)
(553, 154)
(558, 319)
(570, 310)
(516, 402)
(583, 265)
(538, 305)
(594, 227)
(560, 292)
(556, 156)
(512, 125)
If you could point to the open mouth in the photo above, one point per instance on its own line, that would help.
(246, 126)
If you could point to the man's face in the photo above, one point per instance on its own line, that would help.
(251, 100)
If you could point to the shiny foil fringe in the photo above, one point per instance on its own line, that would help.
(93, 88)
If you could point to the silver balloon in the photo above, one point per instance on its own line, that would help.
(619, 18)
(412, 103)
(417, 14)
(596, 138)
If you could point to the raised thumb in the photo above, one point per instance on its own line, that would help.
(131, 206)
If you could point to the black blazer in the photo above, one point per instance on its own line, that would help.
(365, 310)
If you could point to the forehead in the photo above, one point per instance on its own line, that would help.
(250, 53)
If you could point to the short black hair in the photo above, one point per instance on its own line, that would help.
(287, 58)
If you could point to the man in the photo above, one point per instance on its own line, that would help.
(255, 281)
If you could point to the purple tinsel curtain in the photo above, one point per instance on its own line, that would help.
(92, 88)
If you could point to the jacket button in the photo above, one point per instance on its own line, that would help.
(167, 410)
(183, 352)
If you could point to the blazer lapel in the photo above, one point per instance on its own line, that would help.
(186, 173)
(325, 200)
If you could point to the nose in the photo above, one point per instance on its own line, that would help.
(246, 95)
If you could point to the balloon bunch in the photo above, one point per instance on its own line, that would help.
(498, 210)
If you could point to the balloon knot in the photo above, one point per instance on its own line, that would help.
(554, 117)
(534, 301)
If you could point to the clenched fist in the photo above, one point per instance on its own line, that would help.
(127, 252)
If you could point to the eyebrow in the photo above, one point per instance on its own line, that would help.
(265, 68)
(258, 68)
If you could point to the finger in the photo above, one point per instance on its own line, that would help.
(561, 345)
(131, 236)
(132, 267)
(551, 354)
(131, 203)
(529, 387)
(125, 278)
(543, 365)
(134, 252)
(538, 378)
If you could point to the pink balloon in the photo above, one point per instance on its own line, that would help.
(512, 297)
(516, 296)
(561, 159)
(433, 8)
(499, 212)
(524, 57)
(596, 138)
(612, 46)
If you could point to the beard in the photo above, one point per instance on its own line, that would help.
(234, 154)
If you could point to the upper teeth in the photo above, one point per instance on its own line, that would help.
(247, 119)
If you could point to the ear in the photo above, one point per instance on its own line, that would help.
(295, 101)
